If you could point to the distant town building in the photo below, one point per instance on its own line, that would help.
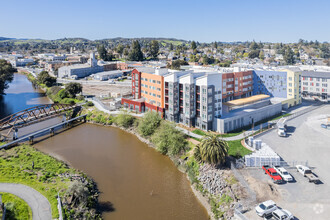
(80, 70)
(316, 85)
(21, 62)
(102, 76)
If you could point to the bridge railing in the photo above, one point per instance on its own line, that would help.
(33, 113)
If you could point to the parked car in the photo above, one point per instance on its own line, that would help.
(307, 173)
(324, 126)
(279, 214)
(283, 173)
(272, 173)
(265, 208)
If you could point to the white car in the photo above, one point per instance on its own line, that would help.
(281, 132)
(266, 208)
(282, 214)
(283, 173)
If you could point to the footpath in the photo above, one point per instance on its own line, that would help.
(40, 206)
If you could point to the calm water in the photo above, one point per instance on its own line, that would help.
(20, 95)
(139, 182)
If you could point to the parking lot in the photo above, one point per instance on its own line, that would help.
(306, 141)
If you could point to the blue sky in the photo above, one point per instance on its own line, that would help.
(203, 20)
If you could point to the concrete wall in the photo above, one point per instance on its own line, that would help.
(246, 118)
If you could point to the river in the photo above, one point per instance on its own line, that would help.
(137, 181)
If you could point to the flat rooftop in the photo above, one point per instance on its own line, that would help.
(248, 100)
(243, 111)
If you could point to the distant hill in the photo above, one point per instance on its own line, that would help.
(115, 41)
(6, 38)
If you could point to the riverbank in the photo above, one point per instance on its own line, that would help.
(216, 200)
(26, 165)
(216, 189)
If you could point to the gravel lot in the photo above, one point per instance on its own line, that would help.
(306, 141)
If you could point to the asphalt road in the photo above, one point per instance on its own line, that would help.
(306, 141)
(40, 206)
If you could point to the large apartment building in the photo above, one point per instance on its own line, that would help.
(147, 90)
(193, 98)
(316, 86)
(283, 84)
(236, 85)
(207, 99)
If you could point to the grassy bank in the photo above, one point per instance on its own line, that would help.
(26, 165)
(16, 208)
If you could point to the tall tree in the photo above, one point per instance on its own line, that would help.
(254, 53)
(212, 149)
(6, 75)
(103, 53)
(120, 49)
(44, 78)
(154, 48)
(254, 46)
(73, 88)
(136, 53)
(215, 45)
(193, 45)
(171, 46)
(261, 55)
(289, 56)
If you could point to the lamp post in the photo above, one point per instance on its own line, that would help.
(1, 205)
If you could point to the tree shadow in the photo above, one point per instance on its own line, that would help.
(105, 207)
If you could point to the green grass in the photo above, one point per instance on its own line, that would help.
(16, 167)
(230, 134)
(199, 132)
(281, 116)
(236, 149)
(17, 208)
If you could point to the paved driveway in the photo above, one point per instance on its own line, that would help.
(306, 142)
(40, 206)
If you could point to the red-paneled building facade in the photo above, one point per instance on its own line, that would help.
(237, 85)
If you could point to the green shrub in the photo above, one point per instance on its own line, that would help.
(80, 98)
(89, 103)
(169, 140)
(124, 120)
(70, 101)
(149, 123)
(62, 94)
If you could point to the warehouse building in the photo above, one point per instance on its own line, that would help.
(243, 113)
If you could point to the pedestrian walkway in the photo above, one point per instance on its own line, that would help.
(40, 206)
